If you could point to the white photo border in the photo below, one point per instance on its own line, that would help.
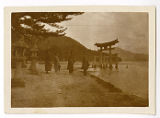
(60, 110)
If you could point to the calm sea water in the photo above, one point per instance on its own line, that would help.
(131, 78)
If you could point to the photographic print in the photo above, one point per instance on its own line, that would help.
(68, 59)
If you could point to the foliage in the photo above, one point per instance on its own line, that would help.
(33, 23)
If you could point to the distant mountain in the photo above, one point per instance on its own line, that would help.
(130, 56)
(63, 46)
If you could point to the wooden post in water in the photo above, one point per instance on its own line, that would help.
(116, 61)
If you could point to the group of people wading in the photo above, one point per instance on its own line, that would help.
(70, 66)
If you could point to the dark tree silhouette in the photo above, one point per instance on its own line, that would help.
(34, 22)
(32, 26)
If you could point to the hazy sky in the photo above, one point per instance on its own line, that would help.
(93, 27)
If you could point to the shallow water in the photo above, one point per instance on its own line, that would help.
(131, 78)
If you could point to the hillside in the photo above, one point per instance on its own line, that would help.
(63, 46)
(129, 56)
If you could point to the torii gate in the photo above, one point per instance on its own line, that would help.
(107, 46)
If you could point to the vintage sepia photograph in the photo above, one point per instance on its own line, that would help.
(79, 59)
